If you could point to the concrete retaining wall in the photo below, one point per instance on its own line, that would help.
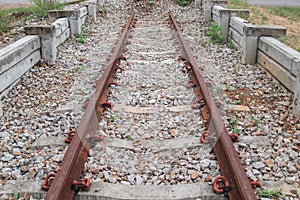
(41, 43)
(259, 45)
(18, 58)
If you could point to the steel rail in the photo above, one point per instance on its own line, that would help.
(226, 154)
(76, 154)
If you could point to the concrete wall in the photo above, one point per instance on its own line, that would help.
(17, 58)
(41, 43)
(259, 45)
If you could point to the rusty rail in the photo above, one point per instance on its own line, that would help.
(76, 154)
(226, 154)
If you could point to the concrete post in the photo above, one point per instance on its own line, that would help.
(92, 11)
(75, 23)
(225, 15)
(198, 3)
(208, 6)
(251, 33)
(296, 105)
(55, 14)
(47, 34)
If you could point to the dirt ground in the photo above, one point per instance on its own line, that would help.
(13, 5)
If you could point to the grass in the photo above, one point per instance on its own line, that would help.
(214, 33)
(290, 18)
(292, 13)
(182, 2)
(9, 18)
(271, 194)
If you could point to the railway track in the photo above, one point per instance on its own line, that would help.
(150, 121)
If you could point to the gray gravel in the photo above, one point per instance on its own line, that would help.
(48, 99)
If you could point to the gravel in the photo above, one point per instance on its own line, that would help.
(47, 102)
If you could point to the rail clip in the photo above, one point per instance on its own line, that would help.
(221, 185)
(81, 185)
(47, 182)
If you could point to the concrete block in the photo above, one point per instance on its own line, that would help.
(208, 6)
(32, 187)
(1, 110)
(12, 54)
(47, 35)
(277, 50)
(92, 11)
(198, 3)
(14, 73)
(77, 19)
(224, 18)
(63, 37)
(236, 36)
(251, 33)
(237, 24)
(277, 71)
(296, 103)
(55, 14)
(61, 25)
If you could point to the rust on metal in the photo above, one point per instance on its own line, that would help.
(221, 180)
(48, 181)
(70, 136)
(226, 154)
(76, 155)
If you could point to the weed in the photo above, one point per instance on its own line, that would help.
(233, 121)
(271, 194)
(292, 13)
(11, 16)
(80, 38)
(214, 33)
(102, 9)
(42, 7)
(236, 130)
(203, 42)
(158, 30)
(129, 138)
(227, 88)
(255, 121)
(16, 195)
(150, 3)
(298, 49)
(230, 45)
(239, 3)
(182, 2)
(238, 102)
(113, 118)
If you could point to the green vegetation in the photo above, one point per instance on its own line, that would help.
(129, 138)
(233, 121)
(227, 88)
(239, 3)
(182, 2)
(214, 33)
(230, 45)
(113, 118)
(236, 130)
(11, 16)
(255, 121)
(16, 195)
(150, 3)
(80, 37)
(292, 13)
(271, 194)
(238, 102)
